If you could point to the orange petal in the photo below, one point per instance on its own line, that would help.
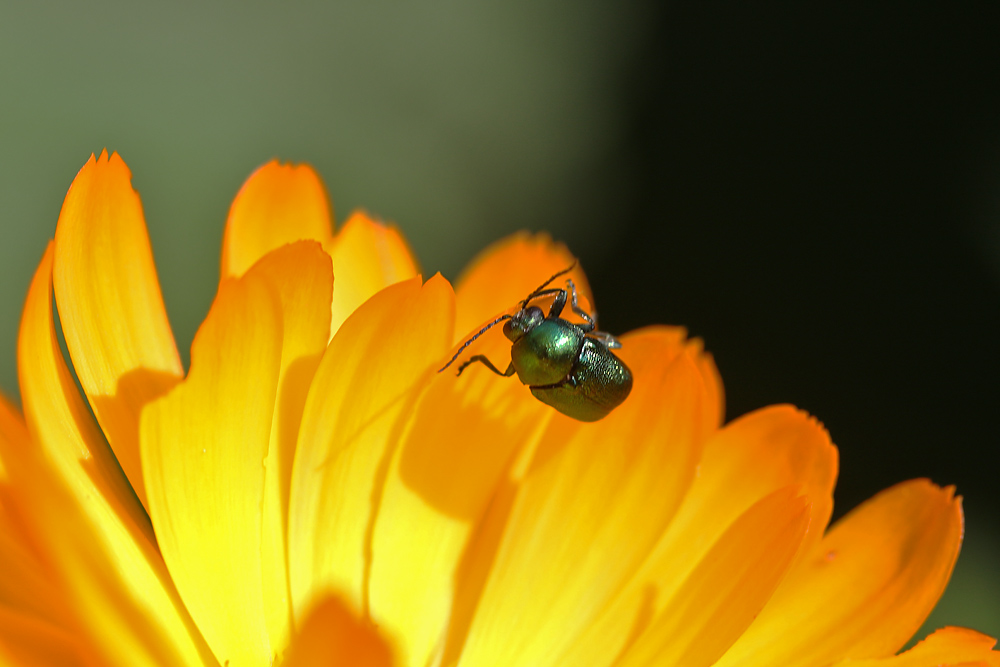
(367, 256)
(12, 429)
(866, 587)
(203, 450)
(110, 305)
(302, 277)
(90, 526)
(748, 460)
(366, 377)
(713, 382)
(332, 635)
(757, 454)
(947, 647)
(27, 584)
(728, 588)
(588, 511)
(28, 642)
(278, 204)
(506, 272)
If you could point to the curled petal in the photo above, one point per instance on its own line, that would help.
(110, 305)
(84, 516)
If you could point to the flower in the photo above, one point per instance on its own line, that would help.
(312, 492)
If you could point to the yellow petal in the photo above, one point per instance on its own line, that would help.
(588, 511)
(92, 529)
(866, 587)
(363, 381)
(728, 588)
(947, 647)
(461, 438)
(333, 635)
(506, 272)
(110, 305)
(302, 277)
(203, 451)
(278, 204)
(454, 448)
(367, 257)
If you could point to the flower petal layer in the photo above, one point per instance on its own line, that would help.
(750, 458)
(203, 449)
(587, 512)
(363, 382)
(26, 641)
(302, 277)
(33, 615)
(866, 587)
(746, 461)
(92, 530)
(367, 256)
(947, 647)
(506, 272)
(728, 588)
(461, 438)
(278, 204)
(332, 635)
(110, 305)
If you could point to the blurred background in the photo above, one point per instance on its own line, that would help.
(814, 190)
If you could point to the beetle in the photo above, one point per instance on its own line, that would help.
(567, 366)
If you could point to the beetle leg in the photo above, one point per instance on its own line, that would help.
(557, 304)
(481, 358)
(609, 340)
(591, 322)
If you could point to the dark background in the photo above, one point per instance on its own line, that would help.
(817, 192)
(814, 189)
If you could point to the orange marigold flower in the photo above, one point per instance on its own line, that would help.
(313, 492)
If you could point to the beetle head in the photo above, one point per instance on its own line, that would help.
(522, 322)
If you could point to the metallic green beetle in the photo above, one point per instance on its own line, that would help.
(566, 365)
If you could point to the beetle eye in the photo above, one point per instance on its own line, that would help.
(508, 330)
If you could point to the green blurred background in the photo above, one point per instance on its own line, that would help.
(815, 191)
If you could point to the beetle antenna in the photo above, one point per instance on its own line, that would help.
(546, 283)
(469, 342)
